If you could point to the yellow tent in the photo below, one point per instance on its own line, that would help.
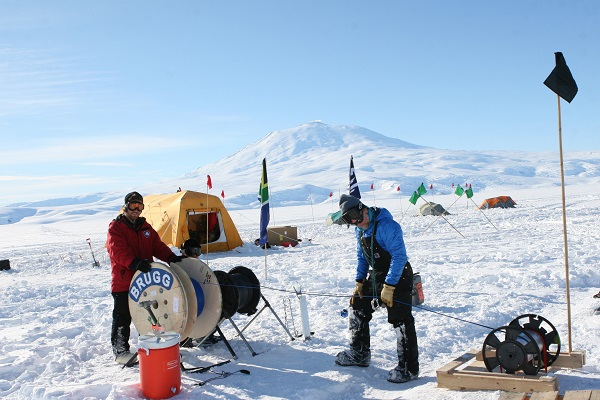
(183, 215)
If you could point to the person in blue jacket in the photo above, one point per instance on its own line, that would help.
(383, 275)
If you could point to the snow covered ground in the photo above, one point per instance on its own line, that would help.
(56, 311)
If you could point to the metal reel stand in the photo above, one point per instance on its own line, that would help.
(241, 294)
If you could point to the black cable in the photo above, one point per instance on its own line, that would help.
(345, 295)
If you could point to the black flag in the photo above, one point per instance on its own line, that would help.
(560, 80)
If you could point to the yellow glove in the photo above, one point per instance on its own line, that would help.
(357, 291)
(387, 295)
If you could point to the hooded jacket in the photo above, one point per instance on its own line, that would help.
(127, 241)
(390, 238)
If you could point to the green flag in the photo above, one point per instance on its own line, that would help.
(459, 191)
(413, 199)
(422, 190)
(469, 192)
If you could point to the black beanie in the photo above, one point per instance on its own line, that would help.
(134, 197)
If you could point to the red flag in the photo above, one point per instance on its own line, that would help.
(452, 185)
(397, 190)
(208, 182)
(371, 186)
(431, 186)
(330, 194)
(223, 193)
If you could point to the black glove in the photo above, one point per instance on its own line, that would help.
(175, 258)
(140, 265)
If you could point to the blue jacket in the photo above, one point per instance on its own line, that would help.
(390, 238)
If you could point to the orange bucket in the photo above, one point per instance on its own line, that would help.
(160, 372)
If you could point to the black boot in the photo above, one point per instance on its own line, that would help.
(359, 353)
(408, 353)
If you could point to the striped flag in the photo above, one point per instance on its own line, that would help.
(352, 183)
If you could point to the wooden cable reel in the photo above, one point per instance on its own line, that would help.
(184, 298)
(527, 344)
(190, 299)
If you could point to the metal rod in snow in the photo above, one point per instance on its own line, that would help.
(271, 213)
(311, 205)
(265, 252)
(482, 213)
(441, 215)
(438, 217)
(564, 218)
(400, 195)
(373, 190)
(405, 212)
(207, 211)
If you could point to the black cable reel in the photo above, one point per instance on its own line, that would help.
(240, 289)
(527, 343)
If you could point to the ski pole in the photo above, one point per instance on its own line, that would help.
(96, 263)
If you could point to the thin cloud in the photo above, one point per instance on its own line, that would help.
(36, 82)
(90, 150)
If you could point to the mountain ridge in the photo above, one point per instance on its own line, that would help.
(308, 162)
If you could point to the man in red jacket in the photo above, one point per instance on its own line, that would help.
(132, 243)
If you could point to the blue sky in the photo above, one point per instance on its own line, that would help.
(108, 95)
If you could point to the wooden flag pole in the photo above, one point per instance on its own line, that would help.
(207, 211)
(564, 218)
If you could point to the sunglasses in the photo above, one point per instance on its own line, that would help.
(135, 207)
(354, 214)
(193, 251)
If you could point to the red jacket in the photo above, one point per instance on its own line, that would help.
(126, 242)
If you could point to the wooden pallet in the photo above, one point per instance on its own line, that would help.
(570, 395)
(468, 372)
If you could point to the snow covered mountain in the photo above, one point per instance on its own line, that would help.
(313, 160)
(307, 163)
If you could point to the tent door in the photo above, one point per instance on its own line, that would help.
(205, 227)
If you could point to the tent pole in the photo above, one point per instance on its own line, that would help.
(564, 218)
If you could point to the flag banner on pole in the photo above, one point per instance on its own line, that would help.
(421, 190)
(560, 80)
(413, 199)
(263, 197)
(469, 192)
(397, 190)
(223, 193)
(208, 182)
(459, 191)
(352, 183)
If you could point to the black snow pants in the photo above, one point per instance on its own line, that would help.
(121, 322)
(399, 315)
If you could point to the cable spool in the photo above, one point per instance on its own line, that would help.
(184, 297)
(241, 291)
(547, 333)
(527, 344)
(190, 299)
